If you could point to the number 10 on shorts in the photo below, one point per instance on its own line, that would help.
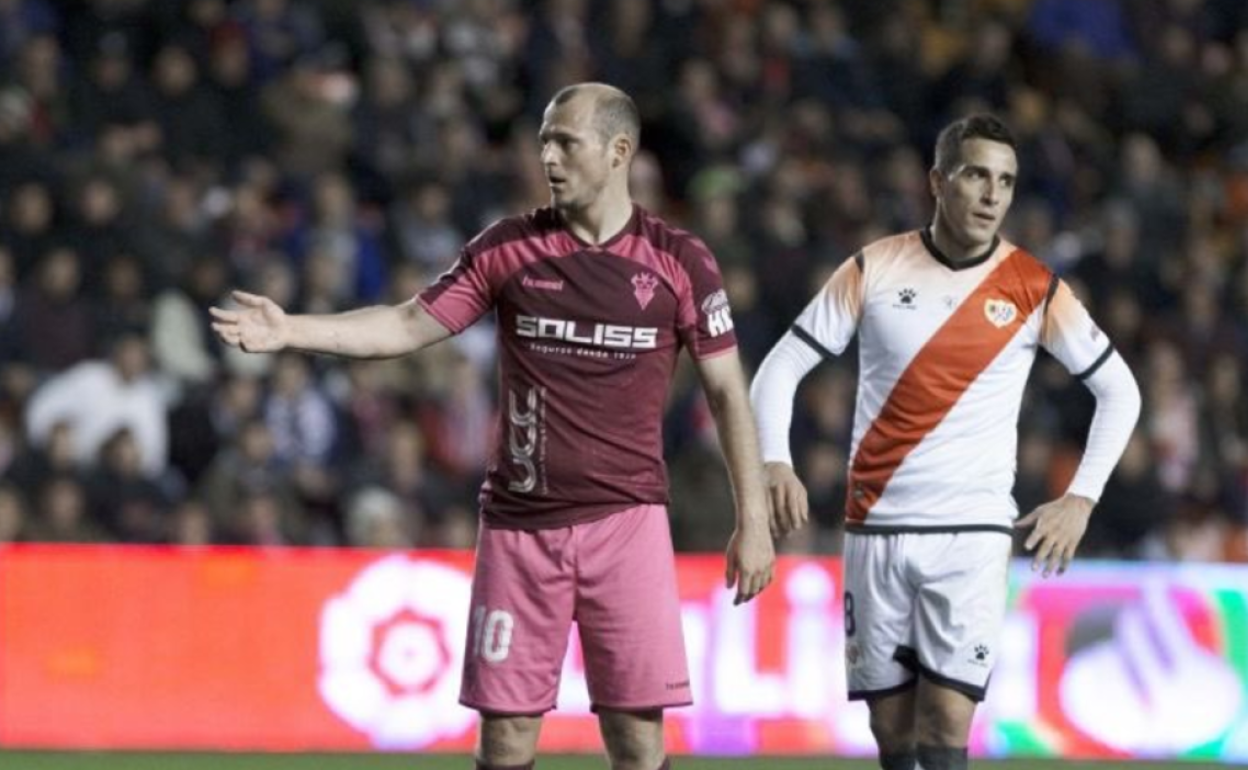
(491, 634)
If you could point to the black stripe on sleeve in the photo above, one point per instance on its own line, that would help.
(1048, 295)
(809, 339)
(1053, 283)
(1091, 370)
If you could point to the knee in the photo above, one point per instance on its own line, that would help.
(944, 716)
(892, 733)
(937, 728)
(507, 741)
(633, 741)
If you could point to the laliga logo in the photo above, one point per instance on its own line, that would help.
(391, 648)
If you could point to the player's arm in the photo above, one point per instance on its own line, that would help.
(774, 388)
(822, 331)
(751, 555)
(259, 325)
(1074, 339)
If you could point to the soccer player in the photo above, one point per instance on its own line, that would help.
(594, 298)
(948, 320)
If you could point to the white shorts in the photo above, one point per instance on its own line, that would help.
(928, 604)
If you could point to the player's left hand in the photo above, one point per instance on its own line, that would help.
(751, 562)
(1058, 526)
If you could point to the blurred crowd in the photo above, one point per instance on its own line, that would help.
(335, 153)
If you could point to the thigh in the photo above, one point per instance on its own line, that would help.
(628, 612)
(521, 615)
(961, 608)
(879, 611)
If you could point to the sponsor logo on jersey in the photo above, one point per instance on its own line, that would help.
(905, 299)
(1000, 312)
(644, 285)
(524, 417)
(541, 283)
(603, 335)
(718, 314)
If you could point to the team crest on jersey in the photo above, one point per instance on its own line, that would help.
(644, 285)
(1000, 312)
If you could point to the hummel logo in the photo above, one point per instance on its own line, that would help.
(541, 283)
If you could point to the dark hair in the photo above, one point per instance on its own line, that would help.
(614, 111)
(980, 126)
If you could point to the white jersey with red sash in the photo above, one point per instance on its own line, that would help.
(945, 350)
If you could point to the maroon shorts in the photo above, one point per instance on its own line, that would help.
(615, 577)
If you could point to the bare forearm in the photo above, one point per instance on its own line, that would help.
(371, 332)
(738, 440)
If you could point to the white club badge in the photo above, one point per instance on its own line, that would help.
(1000, 312)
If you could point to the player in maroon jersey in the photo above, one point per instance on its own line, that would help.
(594, 298)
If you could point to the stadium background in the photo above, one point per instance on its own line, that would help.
(334, 153)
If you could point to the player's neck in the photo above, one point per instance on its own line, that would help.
(951, 248)
(603, 220)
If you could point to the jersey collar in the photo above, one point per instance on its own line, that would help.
(629, 227)
(934, 250)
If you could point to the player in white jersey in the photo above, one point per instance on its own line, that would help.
(948, 321)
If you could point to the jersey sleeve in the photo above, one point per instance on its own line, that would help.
(830, 319)
(1070, 334)
(705, 319)
(462, 294)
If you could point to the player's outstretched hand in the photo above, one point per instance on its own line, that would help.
(789, 506)
(751, 562)
(258, 325)
(1057, 528)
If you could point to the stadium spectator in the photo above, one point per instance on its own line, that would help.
(29, 221)
(14, 516)
(182, 344)
(62, 514)
(123, 304)
(345, 246)
(132, 507)
(99, 396)
(378, 519)
(191, 525)
(247, 467)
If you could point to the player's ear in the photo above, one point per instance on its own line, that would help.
(934, 180)
(621, 150)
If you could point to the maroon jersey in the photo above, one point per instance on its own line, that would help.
(588, 340)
